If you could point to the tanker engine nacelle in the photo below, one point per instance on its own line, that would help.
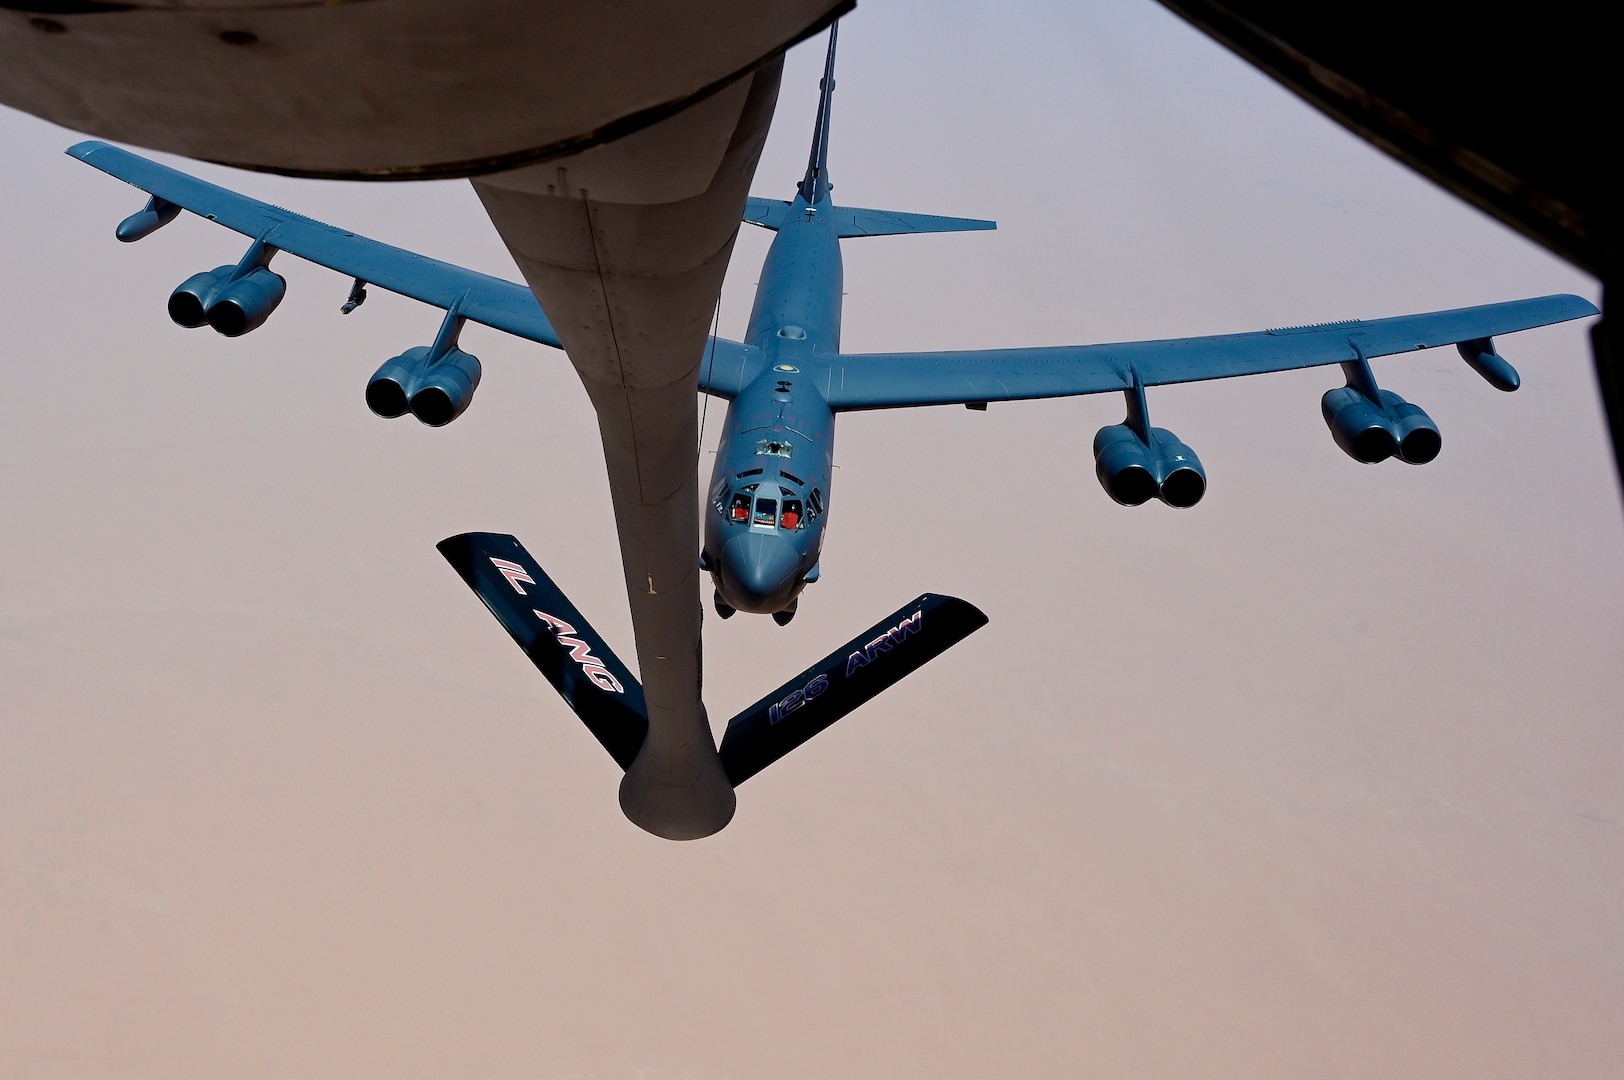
(1134, 472)
(232, 299)
(1371, 431)
(436, 391)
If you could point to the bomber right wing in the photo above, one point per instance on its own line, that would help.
(852, 381)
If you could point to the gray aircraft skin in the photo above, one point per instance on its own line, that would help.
(785, 384)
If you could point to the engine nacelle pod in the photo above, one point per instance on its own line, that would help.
(1419, 439)
(189, 303)
(389, 391)
(1124, 465)
(1180, 479)
(1360, 428)
(243, 305)
(1133, 473)
(446, 388)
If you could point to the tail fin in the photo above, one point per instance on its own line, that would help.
(815, 186)
(873, 661)
(558, 640)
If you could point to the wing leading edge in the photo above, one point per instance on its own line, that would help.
(853, 381)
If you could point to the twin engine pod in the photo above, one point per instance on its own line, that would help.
(232, 307)
(232, 299)
(1370, 431)
(1134, 472)
(435, 389)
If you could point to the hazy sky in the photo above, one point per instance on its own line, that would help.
(1318, 779)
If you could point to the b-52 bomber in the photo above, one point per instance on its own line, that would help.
(770, 492)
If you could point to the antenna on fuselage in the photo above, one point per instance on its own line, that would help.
(816, 185)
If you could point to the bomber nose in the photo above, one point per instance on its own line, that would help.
(758, 570)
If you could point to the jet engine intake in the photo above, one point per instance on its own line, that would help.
(1360, 428)
(1124, 465)
(232, 299)
(1372, 432)
(189, 303)
(389, 391)
(446, 388)
(244, 304)
(1182, 479)
(1133, 473)
(434, 391)
(1419, 439)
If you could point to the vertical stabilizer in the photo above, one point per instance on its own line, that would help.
(815, 188)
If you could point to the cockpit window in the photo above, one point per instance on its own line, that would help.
(792, 517)
(739, 509)
(766, 511)
(815, 502)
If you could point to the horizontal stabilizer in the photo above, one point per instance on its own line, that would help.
(856, 221)
(768, 213)
(823, 693)
(558, 640)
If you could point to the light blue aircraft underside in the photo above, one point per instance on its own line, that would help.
(769, 496)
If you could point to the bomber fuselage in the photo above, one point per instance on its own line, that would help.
(769, 491)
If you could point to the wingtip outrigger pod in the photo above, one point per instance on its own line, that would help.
(609, 700)
(1481, 358)
(146, 221)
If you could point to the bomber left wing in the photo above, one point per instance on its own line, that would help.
(852, 381)
(477, 297)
